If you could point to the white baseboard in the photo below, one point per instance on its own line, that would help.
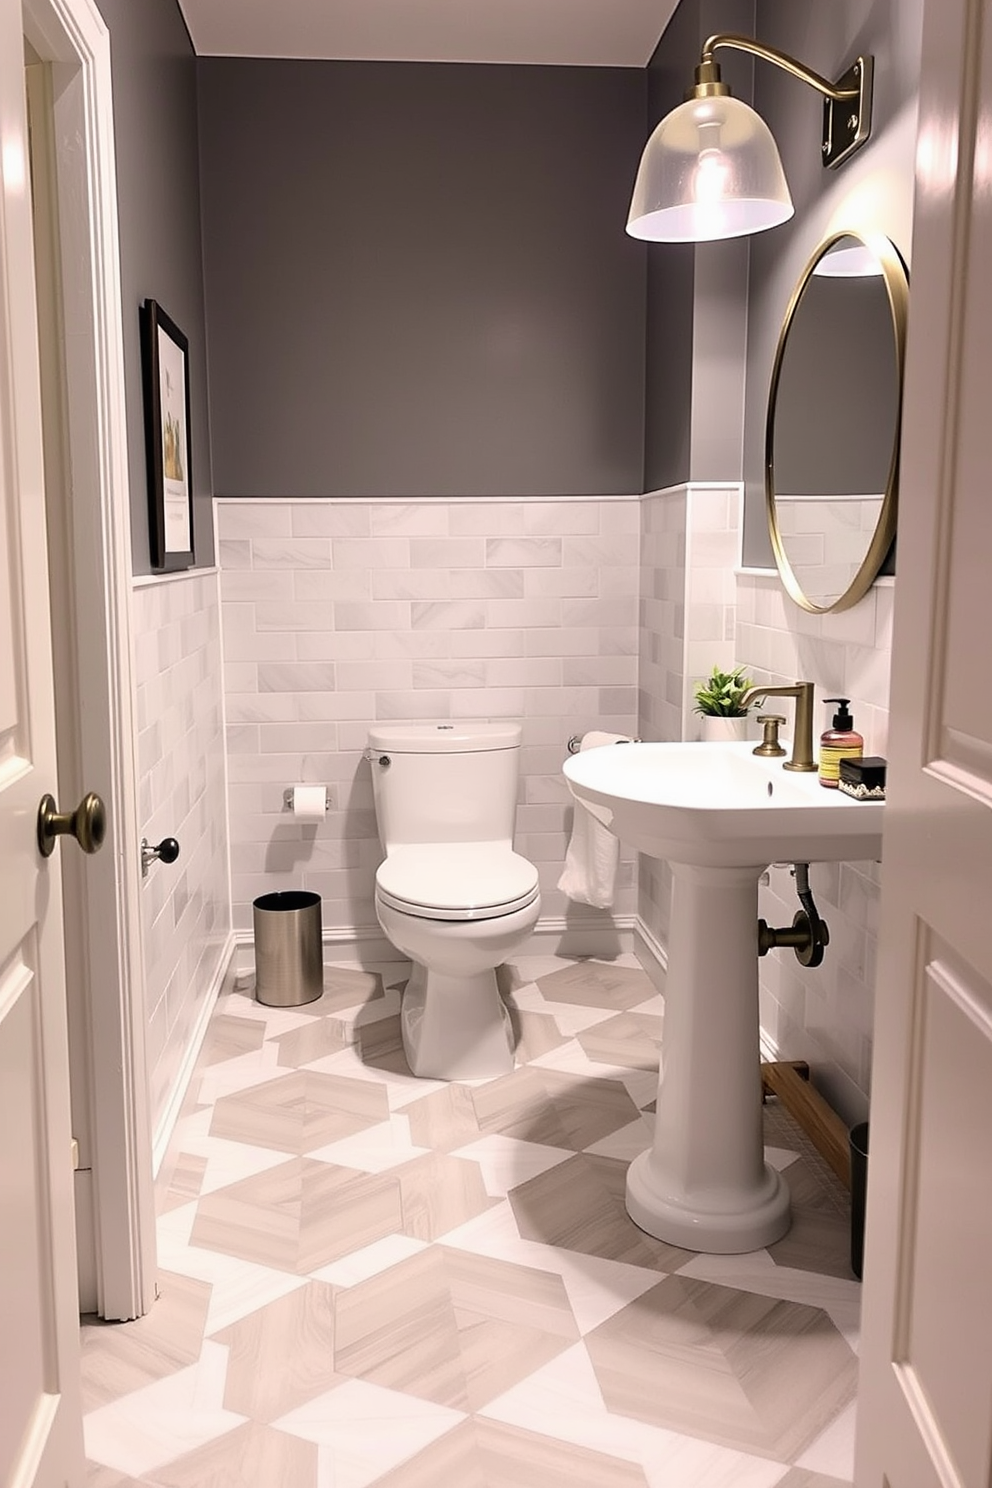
(366, 944)
(651, 953)
(166, 1122)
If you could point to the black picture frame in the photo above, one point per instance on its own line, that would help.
(165, 372)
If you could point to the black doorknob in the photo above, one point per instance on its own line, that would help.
(167, 850)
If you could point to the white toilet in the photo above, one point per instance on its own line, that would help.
(451, 893)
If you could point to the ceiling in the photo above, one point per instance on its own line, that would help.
(574, 33)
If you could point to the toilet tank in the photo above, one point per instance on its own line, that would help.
(445, 782)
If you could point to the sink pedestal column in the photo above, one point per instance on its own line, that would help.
(704, 1183)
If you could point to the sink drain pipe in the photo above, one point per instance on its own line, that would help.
(808, 935)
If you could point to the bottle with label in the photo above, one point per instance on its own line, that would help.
(838, 742)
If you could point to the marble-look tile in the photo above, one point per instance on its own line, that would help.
(506, 1163)
(564, 1400)
(299, 1112)
(163, 1420)
(754, 1373)
(832, 1453)
(450, 1327)
(597, 984)
(490, 1454)
(281, 1355)
(553, 1107)
(630, 1038)
(418, 1249)
(363, 1430)
(116, 1360)
(229, 1036)
(578, 1206)
(250, 1456)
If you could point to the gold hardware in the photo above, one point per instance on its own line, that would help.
(769, 746)
(845, 128)
(88, 824)
(894, 276)
(802, 738)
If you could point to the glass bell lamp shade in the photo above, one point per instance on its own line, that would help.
(711, 169)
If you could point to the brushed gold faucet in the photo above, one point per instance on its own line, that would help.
(802, 738)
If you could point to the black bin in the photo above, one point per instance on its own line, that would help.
(859, 1187)
(289, 953)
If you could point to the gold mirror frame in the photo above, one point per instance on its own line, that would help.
(897, 289)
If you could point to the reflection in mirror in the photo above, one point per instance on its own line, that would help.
(833, 422)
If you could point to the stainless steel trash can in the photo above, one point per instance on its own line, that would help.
(289, 958)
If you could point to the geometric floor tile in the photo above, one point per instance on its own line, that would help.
(117, 1360)
(281, 1355)
(229, 1036)
(299, 1215)
(632, 1039)
(377, 1281)
(564, 1400)
(505, 1163)
(453, 1328)
(578, 1205)
(299, 1111)
(162, 1421)
(363, 1430)
(488, 1454)
(598, 984)
(552, 1107)
(303, 1214)
(755, 1373)
(250, 1456)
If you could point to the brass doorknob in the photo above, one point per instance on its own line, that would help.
(88, 824)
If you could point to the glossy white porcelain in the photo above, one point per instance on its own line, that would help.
(451, 894)
(721, 805)
(719, 814)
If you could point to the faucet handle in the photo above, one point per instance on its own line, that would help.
(770, 746)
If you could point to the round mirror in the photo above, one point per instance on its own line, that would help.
(832, 433)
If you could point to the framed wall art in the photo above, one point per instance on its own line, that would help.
(165, 365)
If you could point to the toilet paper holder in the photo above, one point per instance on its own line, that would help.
(287, 798)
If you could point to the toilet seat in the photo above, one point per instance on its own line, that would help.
(456, 880)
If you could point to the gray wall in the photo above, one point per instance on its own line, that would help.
(417, 278)
(158, 188)
(697, 296)
(873, 191)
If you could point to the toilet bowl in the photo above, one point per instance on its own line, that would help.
(451, 894)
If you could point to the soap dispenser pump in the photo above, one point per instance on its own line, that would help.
(840, 741)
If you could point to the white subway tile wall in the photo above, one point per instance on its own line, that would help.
(824, 1015)
(185, 905)
(339, 614)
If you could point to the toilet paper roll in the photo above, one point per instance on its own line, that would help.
(309, 802)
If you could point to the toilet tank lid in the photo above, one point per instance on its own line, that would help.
(443, 738)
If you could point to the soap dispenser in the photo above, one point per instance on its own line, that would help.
(838, 742)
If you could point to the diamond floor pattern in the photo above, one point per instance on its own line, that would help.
(372, 1280)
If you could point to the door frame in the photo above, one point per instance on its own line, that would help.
(71, 36)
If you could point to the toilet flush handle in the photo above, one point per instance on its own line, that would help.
(378, 759)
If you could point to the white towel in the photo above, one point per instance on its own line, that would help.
(590, 872)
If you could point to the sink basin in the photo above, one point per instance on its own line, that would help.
(720, 805)
(719, 814)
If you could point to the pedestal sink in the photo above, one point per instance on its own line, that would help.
(719, 815)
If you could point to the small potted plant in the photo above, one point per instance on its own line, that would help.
(718, 702)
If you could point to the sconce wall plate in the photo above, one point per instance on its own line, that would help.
(847, 122)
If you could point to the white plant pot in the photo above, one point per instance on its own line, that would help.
(714, 730)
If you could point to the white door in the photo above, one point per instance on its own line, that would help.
(925, 1409)
(40, 1414)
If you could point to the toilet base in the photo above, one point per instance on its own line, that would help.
(455, 1027)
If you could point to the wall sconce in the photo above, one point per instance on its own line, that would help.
(711, 169)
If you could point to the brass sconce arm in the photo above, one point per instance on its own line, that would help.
(835, 91)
